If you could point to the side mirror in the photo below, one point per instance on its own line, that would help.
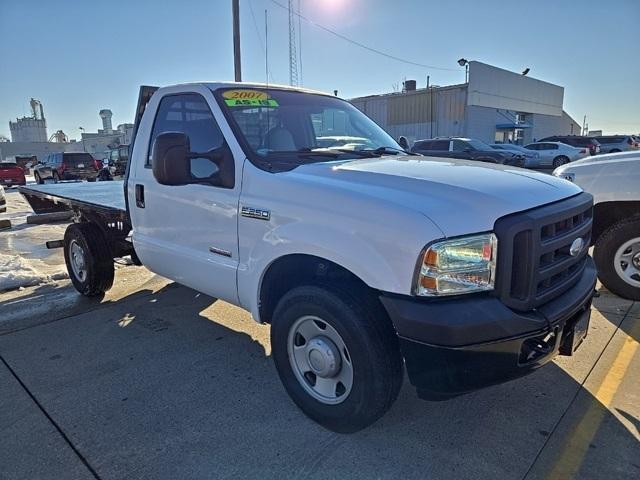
(170, 159)
(404, 143)
(173, 163)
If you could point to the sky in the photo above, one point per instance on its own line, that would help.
(78, 57)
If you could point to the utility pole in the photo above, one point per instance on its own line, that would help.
(293, 56)
(235, 7)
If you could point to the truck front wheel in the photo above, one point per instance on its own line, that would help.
(337, 356)
(617, 256)
(88, 258)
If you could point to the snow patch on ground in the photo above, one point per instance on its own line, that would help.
(16, 272)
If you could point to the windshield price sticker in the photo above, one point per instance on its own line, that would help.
(251, 98)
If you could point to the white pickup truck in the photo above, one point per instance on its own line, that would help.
(614, 182)
(363, 258)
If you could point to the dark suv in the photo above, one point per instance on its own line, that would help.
(466, 149)
(576, 141)
(66, 166)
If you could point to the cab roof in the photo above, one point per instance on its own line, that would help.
(219, 85)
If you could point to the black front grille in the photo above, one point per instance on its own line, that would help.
(535, 262)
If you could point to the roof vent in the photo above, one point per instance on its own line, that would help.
(409, 85)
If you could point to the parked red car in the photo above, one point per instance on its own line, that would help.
(11, 174)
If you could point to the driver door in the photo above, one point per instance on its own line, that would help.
(187, 233)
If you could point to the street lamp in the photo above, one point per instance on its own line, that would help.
(463, 62)
(84, 149)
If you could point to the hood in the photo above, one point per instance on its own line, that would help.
(598, 159)
(459, 196)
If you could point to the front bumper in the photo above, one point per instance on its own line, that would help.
(457, 345)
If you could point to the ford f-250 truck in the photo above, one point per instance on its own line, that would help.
(364, 259)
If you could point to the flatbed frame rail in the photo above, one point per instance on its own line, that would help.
(100, 203)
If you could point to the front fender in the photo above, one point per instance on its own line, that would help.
(384, 261)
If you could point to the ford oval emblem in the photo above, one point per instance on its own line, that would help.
(576, 247)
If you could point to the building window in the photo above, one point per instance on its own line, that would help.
(521, 118)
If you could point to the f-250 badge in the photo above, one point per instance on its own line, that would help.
(255, 213)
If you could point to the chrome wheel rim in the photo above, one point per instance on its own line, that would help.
(77, 260)
(320, 360)
(627, 262)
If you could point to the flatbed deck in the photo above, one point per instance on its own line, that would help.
(103, 196)
(99, 203)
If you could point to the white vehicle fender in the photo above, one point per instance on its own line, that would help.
(389, 269)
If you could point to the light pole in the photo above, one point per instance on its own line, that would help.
(463, 62)
(237, 67)
(84, 149)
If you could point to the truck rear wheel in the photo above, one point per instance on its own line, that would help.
(617, 256)
(88, 258)
(337, 356)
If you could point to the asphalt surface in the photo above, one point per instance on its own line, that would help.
(158, 381)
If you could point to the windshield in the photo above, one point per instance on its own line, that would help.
(509, 146)
(297, 125)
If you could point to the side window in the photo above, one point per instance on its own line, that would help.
(459, 146)
(188, 113)
(440, 145)
(553, 146)
(423, 145)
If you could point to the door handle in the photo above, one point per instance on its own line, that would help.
(139, 196)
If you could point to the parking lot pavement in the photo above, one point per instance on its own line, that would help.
(589, 440)
(158, 381)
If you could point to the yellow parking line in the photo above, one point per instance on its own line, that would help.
(568, 463)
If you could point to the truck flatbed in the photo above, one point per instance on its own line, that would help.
(107, 197)
(100, 203)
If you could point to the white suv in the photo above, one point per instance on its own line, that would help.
(613, 181)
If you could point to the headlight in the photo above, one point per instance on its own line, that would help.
(460, 265)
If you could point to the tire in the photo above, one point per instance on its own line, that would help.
(615, 150)
(103, 176)
(372, 354)
(37, 178)
(609, 255)
(559, 161)
(135, 259)
(96, 275)
(56, 177)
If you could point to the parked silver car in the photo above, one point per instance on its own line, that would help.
(531, 158)
(618, 143)
(555, 154)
